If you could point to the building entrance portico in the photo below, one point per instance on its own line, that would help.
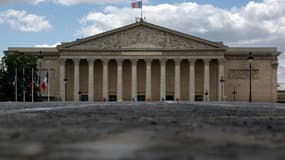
(153, 79)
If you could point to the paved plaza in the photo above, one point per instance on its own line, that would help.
(152, 131)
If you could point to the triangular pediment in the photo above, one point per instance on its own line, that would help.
(141, 35)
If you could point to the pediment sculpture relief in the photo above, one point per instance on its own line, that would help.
(141, 37)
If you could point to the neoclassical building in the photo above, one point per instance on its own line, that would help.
(146, 62)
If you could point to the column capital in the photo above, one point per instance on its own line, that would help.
(90, 60)
(119, 61)
(163, 60)
(134, 61)
(62, 60)
(148, 60)
(76, 60)
(105, 61)
(207, 61)
(177, 61)
(221, 61)
(192, 60)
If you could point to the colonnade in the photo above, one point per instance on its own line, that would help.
(148, 92)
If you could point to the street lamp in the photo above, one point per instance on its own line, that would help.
(40, 57)
(250, 59)
(206, 95)
(234, 93)
(222, 87)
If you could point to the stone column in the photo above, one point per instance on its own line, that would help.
(61, 79)
(177, 79)
(148, 79)
(206, 79)
(163, 79)
(192, 79)
(105, 80)
(91, 80)
(134, 79)
(221, 74)
(76, 79)
(119, 79)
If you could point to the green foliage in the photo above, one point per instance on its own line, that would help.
(4, 83)
(19, 62)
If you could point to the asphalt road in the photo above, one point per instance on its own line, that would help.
(152, 131)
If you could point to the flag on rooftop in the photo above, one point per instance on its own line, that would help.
(137, 4)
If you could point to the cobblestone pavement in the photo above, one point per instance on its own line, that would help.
(152, 131)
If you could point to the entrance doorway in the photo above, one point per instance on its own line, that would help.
(170, 98)
(112, 98)
(141, 98)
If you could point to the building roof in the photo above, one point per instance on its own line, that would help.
(254, 50)
(33, 49)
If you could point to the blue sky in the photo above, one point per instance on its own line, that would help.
(65, 19)
(29, 23)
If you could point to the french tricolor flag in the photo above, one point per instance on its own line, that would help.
(137, 4)
(45, 83)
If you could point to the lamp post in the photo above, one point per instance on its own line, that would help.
(65, 88)
(234, 93)
(222, 87)
(206, 95)
(250, 59)
(40, 57)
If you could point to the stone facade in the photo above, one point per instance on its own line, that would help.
(143, 61)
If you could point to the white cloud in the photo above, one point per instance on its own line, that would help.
(22, 21)
(253, 21)
(255, 24)
(73, 2)
(111, 17)
(47, 45)
(62, 2)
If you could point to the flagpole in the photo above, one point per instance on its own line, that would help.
(16, 81)
(32, 84)
(38, 85)
(142, 11)
(48, 83)
(24, 96)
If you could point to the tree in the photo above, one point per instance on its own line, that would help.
(23, 64)
(3, 83)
